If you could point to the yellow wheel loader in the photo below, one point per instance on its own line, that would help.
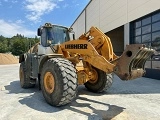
(60, 63)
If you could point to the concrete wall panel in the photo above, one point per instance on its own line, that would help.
(110, 14)
(140, 8)
(79, 25)
(92, 14)
(113, 15)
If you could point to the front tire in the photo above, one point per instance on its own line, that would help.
(58, 81)
(102, 83)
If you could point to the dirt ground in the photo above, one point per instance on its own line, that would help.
(125, 100)
(7, 59)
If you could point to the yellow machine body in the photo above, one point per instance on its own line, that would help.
(94, 49)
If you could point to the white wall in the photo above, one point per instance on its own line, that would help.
(126, 34)
(79, 25)
(92, 14)
(139, 8)
(110, 14)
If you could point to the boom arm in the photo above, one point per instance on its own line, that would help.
(88, 53)
(95, 48)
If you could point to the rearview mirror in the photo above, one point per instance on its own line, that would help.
(39, 32)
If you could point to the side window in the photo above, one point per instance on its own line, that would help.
(72, 36)
(44, 38)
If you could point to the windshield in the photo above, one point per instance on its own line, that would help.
(57, 34)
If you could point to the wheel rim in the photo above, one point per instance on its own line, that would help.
(49, 82)
(94, 78)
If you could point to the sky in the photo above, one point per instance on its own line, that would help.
(25, 16)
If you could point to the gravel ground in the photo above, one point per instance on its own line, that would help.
(132, 100)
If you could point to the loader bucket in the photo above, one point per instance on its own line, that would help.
(131, 64)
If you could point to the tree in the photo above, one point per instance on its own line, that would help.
(3, 45)
(3, 48)
(17, 44)
(18, 47)
(2, 38)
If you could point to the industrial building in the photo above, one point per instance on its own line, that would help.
(125, 22)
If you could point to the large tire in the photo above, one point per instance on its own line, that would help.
(59, 81)
(103, 82)
(25, 81)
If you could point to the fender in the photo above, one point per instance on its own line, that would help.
(44, 58)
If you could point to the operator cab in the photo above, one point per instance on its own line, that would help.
(51, 35)
(54, 34)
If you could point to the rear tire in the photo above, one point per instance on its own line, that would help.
(25, 81)
(58, 81)
(102, 84)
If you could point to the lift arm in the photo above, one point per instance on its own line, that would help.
(95, 48)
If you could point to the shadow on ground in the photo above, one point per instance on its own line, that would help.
(36, 101)
(138, 86)
(15, 88)
(109, 113)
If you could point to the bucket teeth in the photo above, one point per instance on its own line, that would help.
(131, 63)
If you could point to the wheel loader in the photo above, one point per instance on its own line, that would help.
(60, 63)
